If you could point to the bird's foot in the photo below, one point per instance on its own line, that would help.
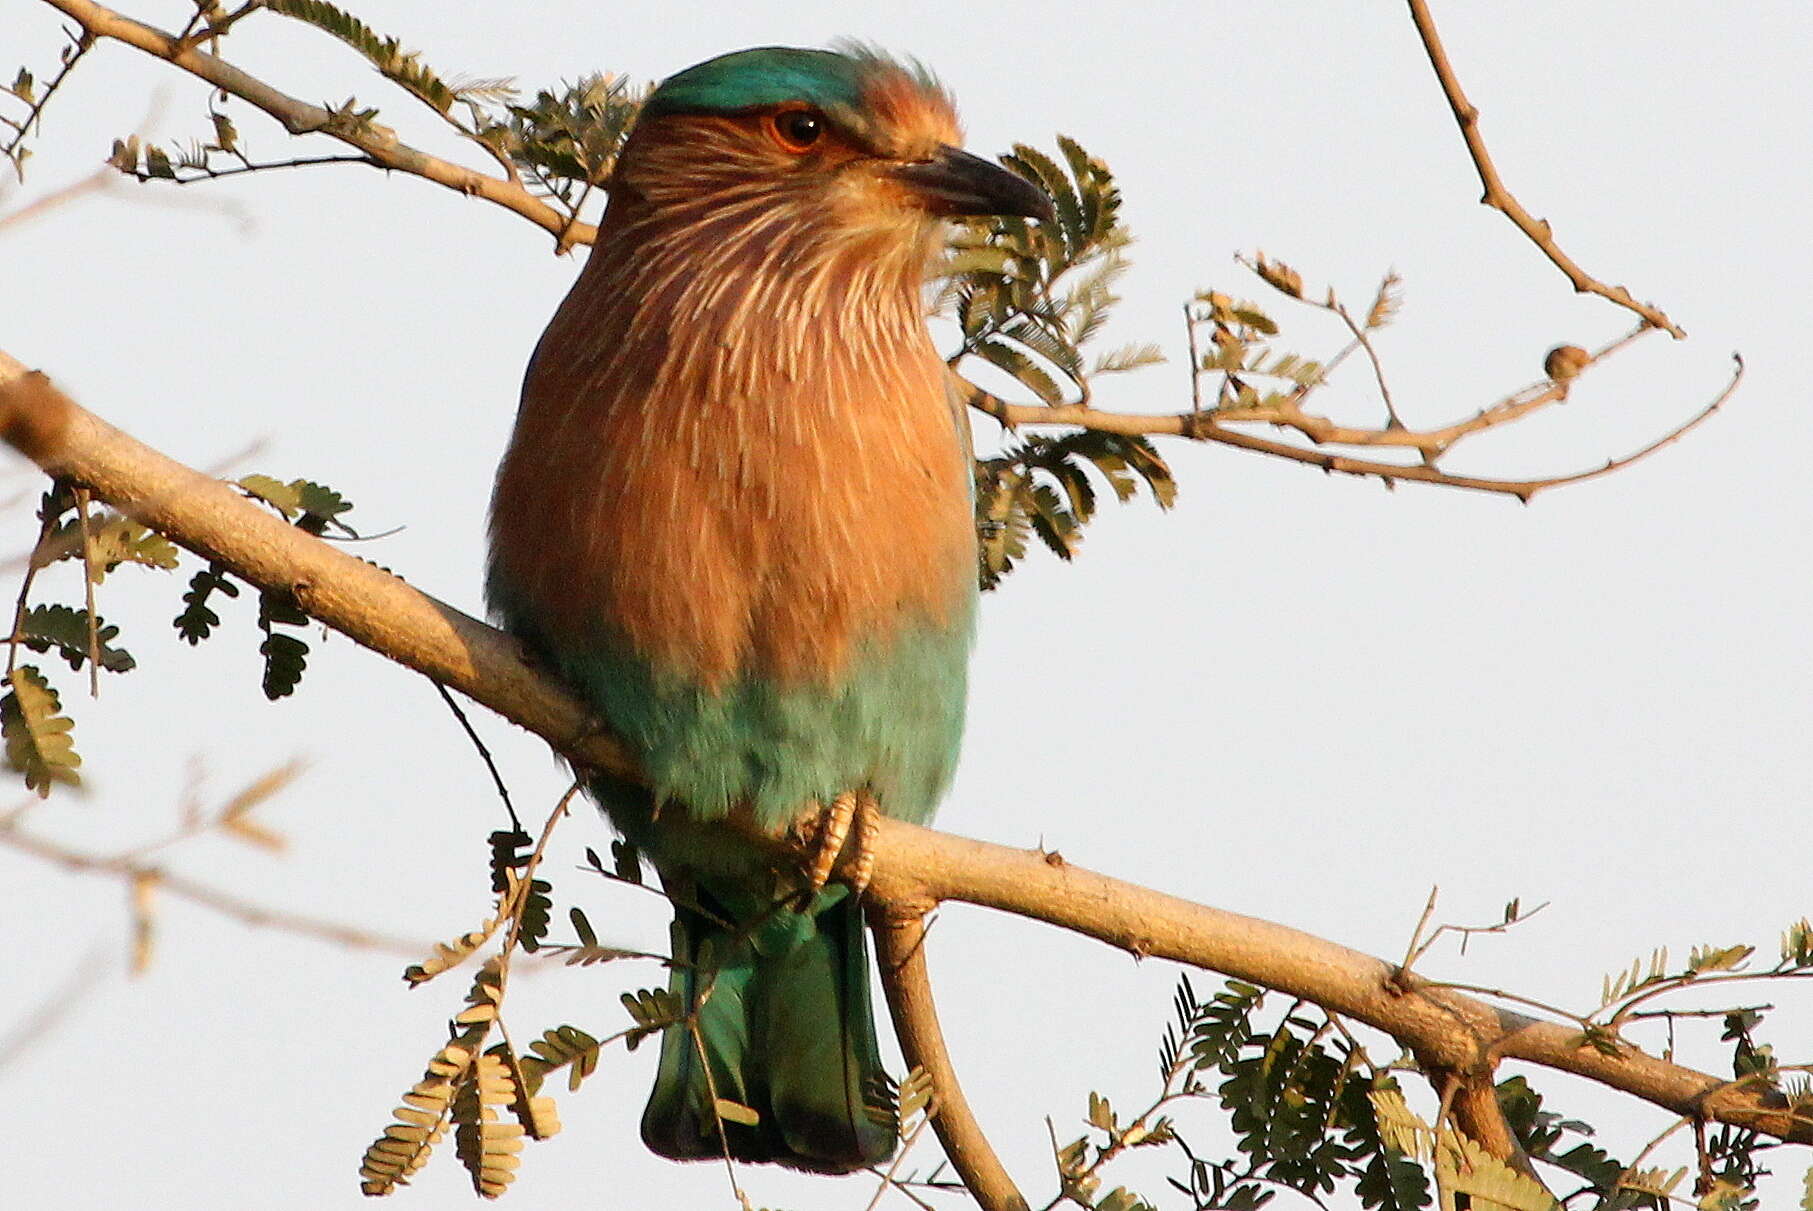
(853, 812)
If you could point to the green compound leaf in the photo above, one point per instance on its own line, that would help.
(66, 629)
(285, 660)
(198, 619)
(385, 54)
(37, 733)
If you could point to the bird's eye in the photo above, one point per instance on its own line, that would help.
(796, 129)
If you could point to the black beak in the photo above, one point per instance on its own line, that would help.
(953, 182)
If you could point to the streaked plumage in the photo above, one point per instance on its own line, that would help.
(735, 514)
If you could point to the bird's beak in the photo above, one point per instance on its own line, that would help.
(953, 182)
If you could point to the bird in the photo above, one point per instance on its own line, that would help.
(735, 515)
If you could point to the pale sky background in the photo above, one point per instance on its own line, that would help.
(1302, 698)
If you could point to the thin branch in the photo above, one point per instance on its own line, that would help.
(1392, 422)
(1671, 1014)
(900, 949)
(88, 579)
(1413, 951)
(23, 1035)
(300, 118)
(1695, 980)
(1481, 990)
(890, 1179)
(1430, 443)
(1500, 199)
(363, 602)
(497, 778)
(1465, 931)
(526, 882)
(1637, 1160)
(95, 182)
(1207, 426)
(1189, 324)
(34, 116)
(205, 172)
(915, 868)
(247, 912)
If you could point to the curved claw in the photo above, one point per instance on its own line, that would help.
(834, 827)
(868, 827)
(856, 811)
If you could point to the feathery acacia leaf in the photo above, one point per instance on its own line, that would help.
(66, 629)
(448, 955)
(1016, 496)
(486, 1145)
(1386, 302)
(311, 506)
(653, 1010)
(386, 54)
(198, 619)
(399, 1154)
(37, 733)
(535, 914)
(568, 139)
(285, 660)
(509, 853)
(1128, 357)
(1027, 299)
(562, 1047)
(114, 540)
(1037, 167)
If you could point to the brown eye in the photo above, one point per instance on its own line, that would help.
(796, 129)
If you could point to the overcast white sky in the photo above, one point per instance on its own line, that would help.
(1297, 697)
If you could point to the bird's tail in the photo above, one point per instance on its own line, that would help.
(779, 1063)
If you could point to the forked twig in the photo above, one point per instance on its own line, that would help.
(1203, 426)
(299, 117)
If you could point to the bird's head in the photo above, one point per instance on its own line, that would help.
(851, 140)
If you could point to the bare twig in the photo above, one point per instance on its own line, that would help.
(1208, 426)
(299, 117)
(23, 1035)
(247, 912)
(1465, 931)
(1500, 199)
(97, 181)
(890, 1178)
(81, 44)
(1766, 1007)
(205, 172)
(1189, 324)
(484, 753)
(88, 579)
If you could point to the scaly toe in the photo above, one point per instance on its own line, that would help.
(868, 827)
(831, 835)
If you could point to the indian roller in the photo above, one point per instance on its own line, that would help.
(736, 516)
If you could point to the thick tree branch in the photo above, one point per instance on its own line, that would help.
(363, 602)
(915, 867)
(1466, 114)
(378, 143)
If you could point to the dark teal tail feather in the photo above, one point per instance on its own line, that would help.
(786, 1029)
